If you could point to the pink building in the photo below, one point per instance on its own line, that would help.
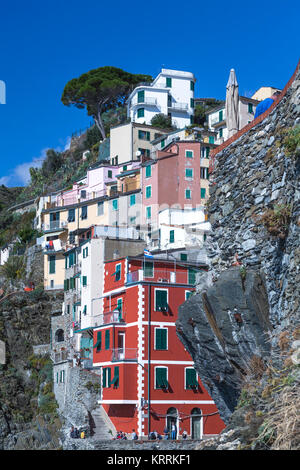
(175, 179)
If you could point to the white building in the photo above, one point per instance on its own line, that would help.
(217, 117)
(171, 93)
(180, 228)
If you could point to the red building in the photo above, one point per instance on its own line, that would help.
(148, 377)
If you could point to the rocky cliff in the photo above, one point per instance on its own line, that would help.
(242, 326)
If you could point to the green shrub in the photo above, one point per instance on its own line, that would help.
(14, 268)
(292, 141)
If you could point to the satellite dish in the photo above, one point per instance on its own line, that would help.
(138, 153)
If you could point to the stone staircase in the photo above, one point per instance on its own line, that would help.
(101, 425)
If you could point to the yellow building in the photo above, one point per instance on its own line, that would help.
(264, 92)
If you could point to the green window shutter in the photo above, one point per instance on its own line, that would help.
(107, 339)
(161, 300)
(188, 194)
(68, 284)
(65, 285)
(207, 151)
(211, 139)
(98, 342)
(189, 173)
(168, 82)
(109, 173)
(51, 264)
(148, 135)
(132, 199)
(161, 377)
(148, 269)
(84, 281)
(115, 204)
(203, 191)
(84, 210)
(118, 272)
(161, 339)
(183, 256)
(172, 236)
(220, 116)
(115, 380)
(162, 144)
(140, 112)
(148, 212)
(192, 103)
(189, 153)
(250, 108)
(104, 377)
(141, 96)
(148, 171)
(221, 133)
(66, 262)
(192, 276)
(190, 378)
(141, 135)
(188, 295)
(148, 191)
(192, 87)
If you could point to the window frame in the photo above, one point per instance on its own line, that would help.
(166, 339)
(161, 289)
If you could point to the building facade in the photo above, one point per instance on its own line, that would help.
(148, 378)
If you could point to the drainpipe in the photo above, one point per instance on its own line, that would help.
(149, 354)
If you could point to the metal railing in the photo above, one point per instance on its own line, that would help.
(178, 106)
(124, 354)
(164, 276)
(54, 225)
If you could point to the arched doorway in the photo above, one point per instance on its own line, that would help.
(59, 336)
(172, 418)
(196, 424)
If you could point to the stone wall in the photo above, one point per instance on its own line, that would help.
(252, 175)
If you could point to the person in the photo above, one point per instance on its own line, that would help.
(265, 104)
(158, 436)
(82, 435)
(184, 435)
(152, 436)
(173, 431)
(76, 433)
(134, 435)
(72, 432)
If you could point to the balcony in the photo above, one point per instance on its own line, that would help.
(107, 318)
(55, 225)
(124, 354)
(163, 276)
(178, 106)
(147, 101)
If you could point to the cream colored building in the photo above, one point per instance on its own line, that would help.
(264, 92)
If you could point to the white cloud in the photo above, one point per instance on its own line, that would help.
(20, 175)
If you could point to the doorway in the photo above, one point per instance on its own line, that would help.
(196, 424)
(121, 345)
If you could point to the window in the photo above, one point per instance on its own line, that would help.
(221, 115)
(148, 212)
(161, 300)
(168, 82)
(132, 220)
(189, 153)
(120, 306)
(192, 104)
(163, 143)
(148, 171)
(98, 344)
(71, 215)
(172, 236)
(109, 174)
(132, 200)
(204, 173)
(192, 86)
(52, 264)
(115, 204)
(118, 272)
(84, 281)
(148, 269)
(207, 151)
(161, 377)
(106, 377)
(250, 108)
(183, 256)
(140, 112)
(161, 339)
(190, 378)
(85, 252)
(84, 210)
(203, 191)
(188, 294)
(100, 208)
(192, 276)
(188, 194)
(145, 152)
(189, 173)
(211, 139)
(115, 380)
(62, 376)
(144, 135)
(148, 192)
(107, 339)
(84, 310)
(141, 96)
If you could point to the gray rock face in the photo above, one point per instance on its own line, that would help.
(223, 327)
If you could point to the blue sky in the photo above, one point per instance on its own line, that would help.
(45, 44)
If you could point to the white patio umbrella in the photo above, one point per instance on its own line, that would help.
(232, 104)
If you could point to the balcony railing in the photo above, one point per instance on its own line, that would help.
(124, 354)
(178, 106)
(109, 317)
(164, 276)
(146, 101)
(54, 225)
